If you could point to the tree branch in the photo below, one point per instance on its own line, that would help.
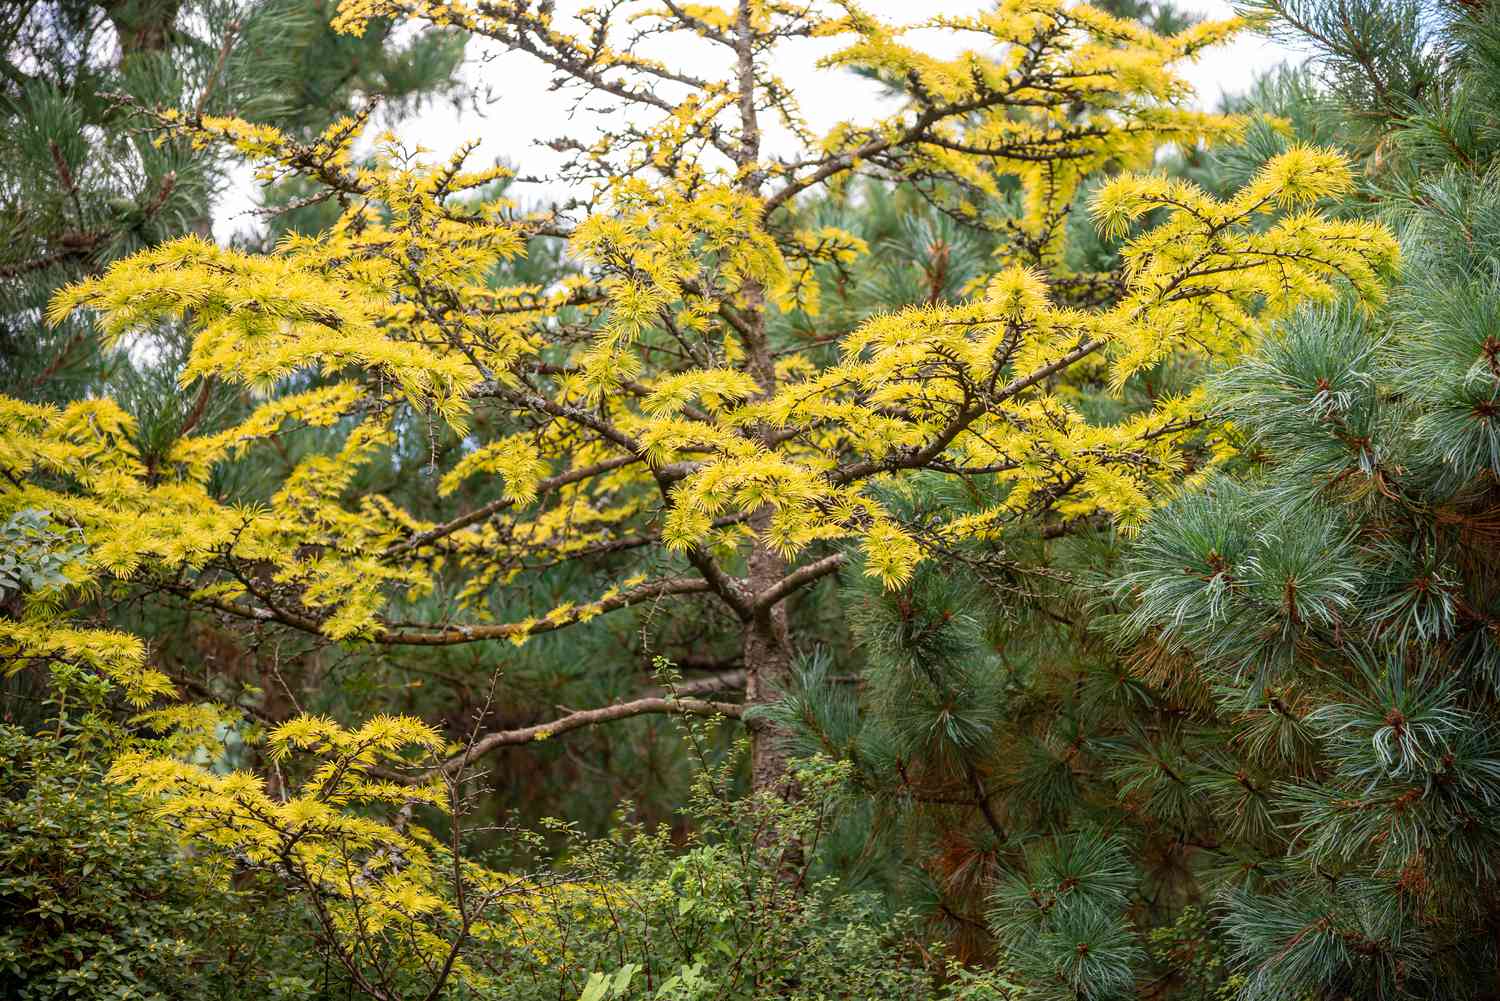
(588, 717)
(796, 579)
(453, 635)
(494, 507)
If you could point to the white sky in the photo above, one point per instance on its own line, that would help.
(524, 113)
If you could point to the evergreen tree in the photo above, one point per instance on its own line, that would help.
(1338, 597)
(1081, 763)
(740, 441)
(82, 183)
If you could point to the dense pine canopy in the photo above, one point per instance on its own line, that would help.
(1032, 540)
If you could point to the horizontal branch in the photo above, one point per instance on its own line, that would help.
(721, 681)
(453, 635)
(650, 705)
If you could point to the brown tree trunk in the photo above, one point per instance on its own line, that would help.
(768, 670)
(142, 25)
(767, 647)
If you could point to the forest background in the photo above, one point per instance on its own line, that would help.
(1031, 539)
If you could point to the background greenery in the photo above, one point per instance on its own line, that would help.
(1250, 753)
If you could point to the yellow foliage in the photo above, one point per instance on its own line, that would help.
(116, 655)
(335, 834)
(680, 397)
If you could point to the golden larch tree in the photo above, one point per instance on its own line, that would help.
(659, 404)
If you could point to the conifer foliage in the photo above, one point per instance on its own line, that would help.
(82, 185)
(690, 419)
(675, 401)
(1338, 597)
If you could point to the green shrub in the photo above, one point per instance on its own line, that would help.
(99, 901)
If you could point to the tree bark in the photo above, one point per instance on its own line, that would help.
(142, 27)
(767, 647)
(768, 670)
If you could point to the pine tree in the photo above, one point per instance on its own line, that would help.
(1019, 739)
(82, 185)
(1336, 598)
